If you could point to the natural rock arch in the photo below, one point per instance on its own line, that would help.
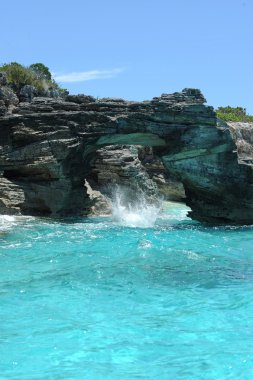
(46, 146)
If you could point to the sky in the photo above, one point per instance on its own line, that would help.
(136, 49)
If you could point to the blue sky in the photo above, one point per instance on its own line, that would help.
(136, 49)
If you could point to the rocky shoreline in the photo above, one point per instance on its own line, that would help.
(50, 146)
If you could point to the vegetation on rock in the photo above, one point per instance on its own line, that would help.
(237, 114)
(36, 75)
(41, 71)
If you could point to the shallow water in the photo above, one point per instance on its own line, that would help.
(94, 299)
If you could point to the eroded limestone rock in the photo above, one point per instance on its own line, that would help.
(8, 96)
(119, 166)
(27, 93)
(47, 147)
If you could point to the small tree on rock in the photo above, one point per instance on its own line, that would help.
(41, 71)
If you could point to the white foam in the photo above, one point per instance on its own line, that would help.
(141, 214)
(7, 218)
(7, 222)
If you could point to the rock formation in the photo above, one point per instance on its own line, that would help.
(138, 170)
(47, 146)
(119, 165)
(169, 187)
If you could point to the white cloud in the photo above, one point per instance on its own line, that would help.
(87, 75)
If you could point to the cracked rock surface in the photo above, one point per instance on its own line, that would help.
(47, 145)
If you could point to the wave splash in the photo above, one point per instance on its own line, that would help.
(6, 222)
(134, 214)
(9, 222)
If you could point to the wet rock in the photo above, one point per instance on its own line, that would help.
(100, 205)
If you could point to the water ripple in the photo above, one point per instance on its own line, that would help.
(95, 299)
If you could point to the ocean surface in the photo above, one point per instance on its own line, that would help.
(140, 296)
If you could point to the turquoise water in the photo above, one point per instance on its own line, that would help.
(93, 299)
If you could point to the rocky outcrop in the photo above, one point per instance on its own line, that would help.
(169, 186)
(8, 100)
(138, 170)
(27, 93)
(47, 147)
(119, 165)
(242, 134)
(99, 203)
(217, 186)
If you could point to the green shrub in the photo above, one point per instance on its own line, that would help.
(17, 75)
(237, 114)
(37, 75)
(41, 71)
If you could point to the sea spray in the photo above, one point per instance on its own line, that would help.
(9, 222)
(137, 213)
(6, 222)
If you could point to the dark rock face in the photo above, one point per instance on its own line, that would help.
(27, 93)
(214, 183)
(119, 165)
(47, 146)
(8, 97)
(3, 79)
(133, 173)
(168, 186)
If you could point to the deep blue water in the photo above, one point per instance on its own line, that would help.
(92, 299)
